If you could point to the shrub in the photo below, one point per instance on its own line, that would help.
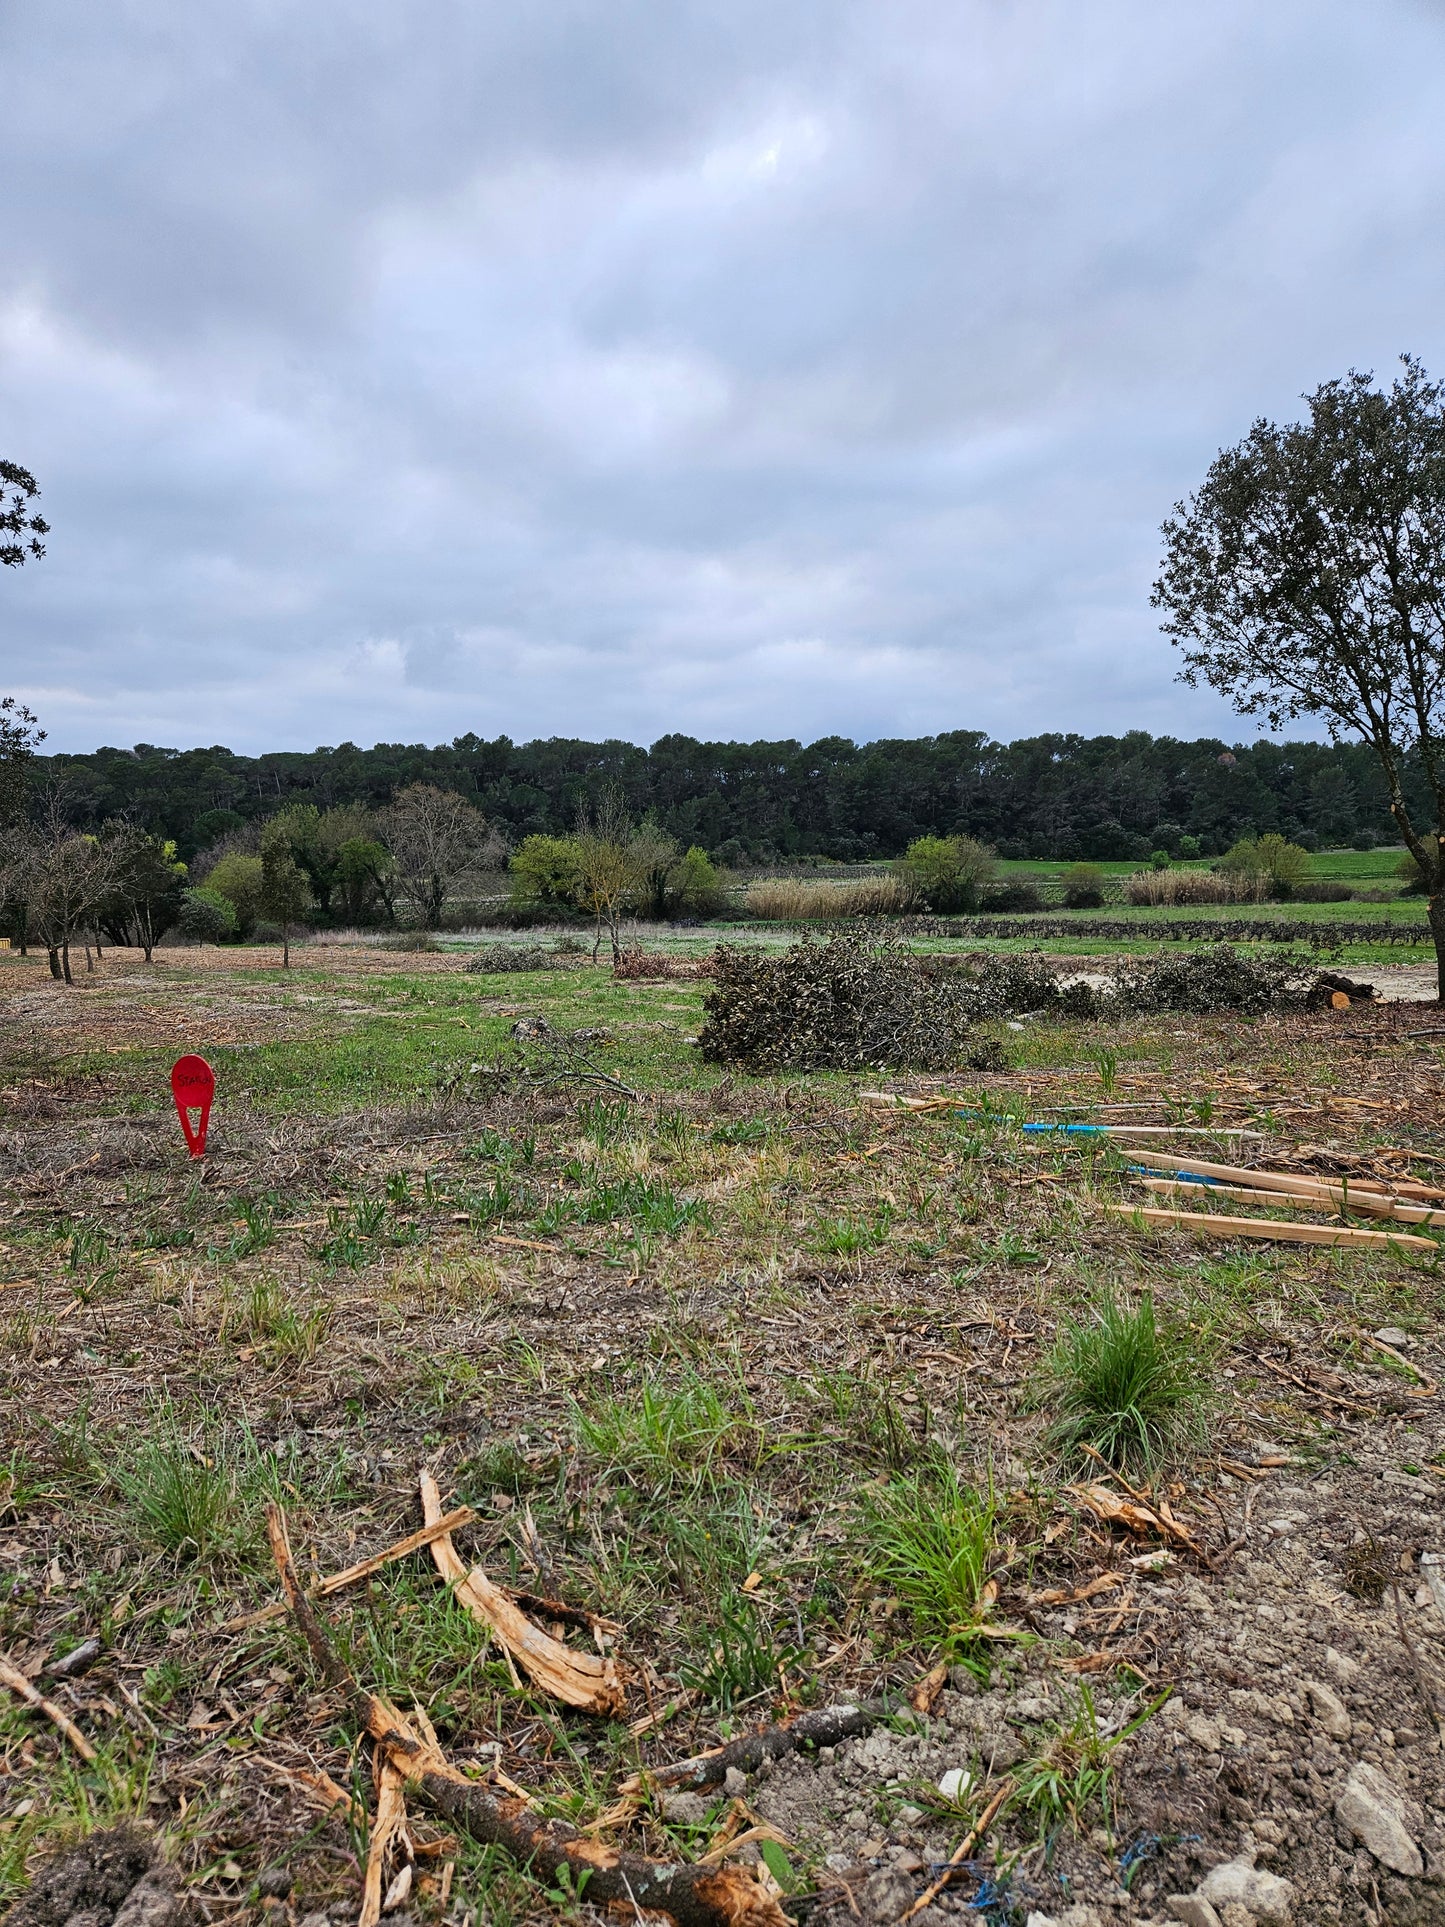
(1217, 979)
(1021, 895)
(1127, 1385)
(238, 878)
(1083, 886)
(847, 1004)
(948, 873)
(1171, 887)
(206, 916)
(1412, 876)
(1322, 891)
(696, 885)
(786, 900)
(1281, 864)
(545, 869)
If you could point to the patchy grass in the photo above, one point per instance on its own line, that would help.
(776, 1383)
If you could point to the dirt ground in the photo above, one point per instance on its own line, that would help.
(847, 1288)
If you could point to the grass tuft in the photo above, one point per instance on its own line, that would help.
(931, 1539)
(1128, 1385)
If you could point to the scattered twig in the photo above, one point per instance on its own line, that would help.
(962, 1851)
(824, 1726)
(12, 1677)
(437, 1528)
(693, 1896)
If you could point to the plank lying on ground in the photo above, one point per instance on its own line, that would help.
(1362, 1206)
(692, 1896)
(577, 1679)
(1300, 1184)
(12, 1677)
(1298, 1234)
(363, 1569)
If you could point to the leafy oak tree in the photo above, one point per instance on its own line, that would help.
(1306, 577)
(20, 527)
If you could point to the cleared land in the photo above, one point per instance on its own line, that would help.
(770, 1380)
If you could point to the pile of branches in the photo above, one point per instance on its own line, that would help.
(850, 1004)
(1006, 986)
(498, 957)
(1216, 979)
(1330, 936)
(540, 1058)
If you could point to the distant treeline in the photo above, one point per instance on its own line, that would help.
(1096, 797)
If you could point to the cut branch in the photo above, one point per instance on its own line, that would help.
(692, 1896)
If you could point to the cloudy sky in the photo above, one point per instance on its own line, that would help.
(601, 367)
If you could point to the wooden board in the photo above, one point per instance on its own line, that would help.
(1298, 1234)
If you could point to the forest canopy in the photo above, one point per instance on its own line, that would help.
(1093, 798)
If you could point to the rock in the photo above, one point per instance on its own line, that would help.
(1203, 1731)
(1039, 1920)
(685, 1809)
(1240, 1883)
(955, 1783)
(1193, 1909)
(151, 1902)
(885, 1896)
(1341, 1665)
(964, 1680)
(1328, 1709)
(1392, 1335)
(907, 1816)
(735, 1783)
(856, 1821)
(315, 1920)
(1374, 1811)
(1236, 1916)
(273, 1882)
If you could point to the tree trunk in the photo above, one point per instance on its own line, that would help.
(1437, 932)
(54, 954)
(65, 960)
(285, 946)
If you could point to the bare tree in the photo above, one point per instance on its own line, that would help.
(435, 837)
(609, 869)
(65, 878)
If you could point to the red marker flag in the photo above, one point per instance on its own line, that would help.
(193, 1085)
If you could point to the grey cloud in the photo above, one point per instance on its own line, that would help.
(764, 369)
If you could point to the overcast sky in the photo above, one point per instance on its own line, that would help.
(606, 367)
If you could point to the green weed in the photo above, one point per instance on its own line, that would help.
(744, 1658)
(1070, 1772)
(930, 1539)
(660, 1435)
(1127, 1385)
(846, 1237)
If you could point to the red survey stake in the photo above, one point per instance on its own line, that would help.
(193, 1085)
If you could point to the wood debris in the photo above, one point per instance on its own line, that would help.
(1270, 1228)
(12, 1677)
(1148, 1521)
(593, 1683)
(692, 1896)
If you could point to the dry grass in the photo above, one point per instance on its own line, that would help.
(787, 901)
(1167, 888)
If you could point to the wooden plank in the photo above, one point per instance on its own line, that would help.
(1298, 1234)
(1362, 1206)
(1300, 1184)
